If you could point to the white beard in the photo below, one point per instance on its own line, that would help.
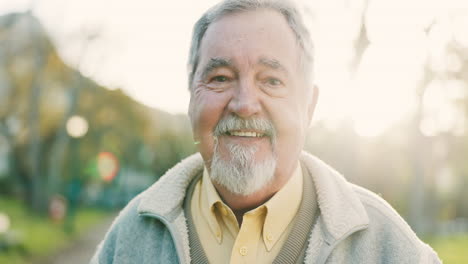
(241, 174)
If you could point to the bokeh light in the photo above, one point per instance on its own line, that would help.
(77, 126)
(4, 222)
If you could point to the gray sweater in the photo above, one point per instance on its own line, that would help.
(353, 226)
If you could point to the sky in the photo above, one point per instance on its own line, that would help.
(141, 46)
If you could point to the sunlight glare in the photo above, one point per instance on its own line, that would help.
(440, 114)
(336, 27)
(398, 20)
(460, 27)
(385, 83)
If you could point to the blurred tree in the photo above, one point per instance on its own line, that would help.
(405, 164)
(60, 144)
(142, 138)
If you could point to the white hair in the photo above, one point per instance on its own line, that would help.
(241, 173)
(284, 7)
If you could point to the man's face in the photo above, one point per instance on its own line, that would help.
(249, 70)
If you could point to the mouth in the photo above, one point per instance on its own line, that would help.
(245, 133)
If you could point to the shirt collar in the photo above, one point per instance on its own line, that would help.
(280, 209)
(211, 203)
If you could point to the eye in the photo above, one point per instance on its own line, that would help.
(273, 85)
(273, 82)
(220, 78)
(219, 82)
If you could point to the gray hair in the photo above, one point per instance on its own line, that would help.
(285, 7)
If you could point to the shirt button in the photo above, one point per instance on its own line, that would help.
(269, 237)
(243, 251)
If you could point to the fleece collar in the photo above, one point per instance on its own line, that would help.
(168, 193)
(340, 207)
(341, 210)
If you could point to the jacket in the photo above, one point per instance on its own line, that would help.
(354, 225)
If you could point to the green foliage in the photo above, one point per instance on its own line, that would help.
(451, 249)
(40, 237)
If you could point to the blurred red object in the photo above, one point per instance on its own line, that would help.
(108, 166)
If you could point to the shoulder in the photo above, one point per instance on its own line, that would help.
(128, 219)
(131, 237)
(388, 233)
(381, 213)
(141, 232)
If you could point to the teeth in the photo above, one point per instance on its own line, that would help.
(245, 134)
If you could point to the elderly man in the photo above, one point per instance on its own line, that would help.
(253, 195)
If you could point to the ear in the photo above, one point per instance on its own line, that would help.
(190, 114)
(312, 104)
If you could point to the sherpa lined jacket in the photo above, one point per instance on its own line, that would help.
(354, 225)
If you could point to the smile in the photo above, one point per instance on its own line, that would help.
(245, 134)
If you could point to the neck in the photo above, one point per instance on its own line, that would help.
(240, 204)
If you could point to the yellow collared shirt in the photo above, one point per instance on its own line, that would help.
(262, 233)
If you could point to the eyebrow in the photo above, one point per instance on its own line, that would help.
(215, 63)
(219, 62)
(272, 63)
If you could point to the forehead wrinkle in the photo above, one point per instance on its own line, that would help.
(214, 63)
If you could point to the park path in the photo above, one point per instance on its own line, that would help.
(81, 251)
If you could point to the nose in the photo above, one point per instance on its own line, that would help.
(244, 102)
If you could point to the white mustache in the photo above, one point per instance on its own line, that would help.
(233, 122)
